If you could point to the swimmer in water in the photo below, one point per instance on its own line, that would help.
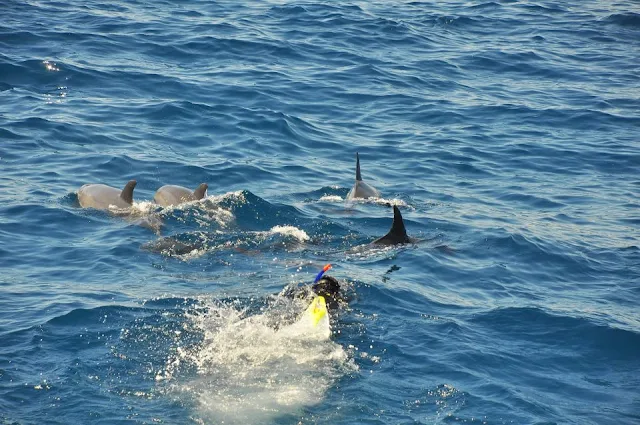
(325, 286)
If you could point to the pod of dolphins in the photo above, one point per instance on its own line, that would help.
(103, 197)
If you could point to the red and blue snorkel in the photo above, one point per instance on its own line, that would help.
(324, 269)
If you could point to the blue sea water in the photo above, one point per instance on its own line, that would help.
(508, 133)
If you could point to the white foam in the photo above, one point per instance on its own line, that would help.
(138, 208)
(195, 253)
(218, 215)
(379, 201)
(292, 231)
(237, 195)
(213, 199)
(370, 251)
(248, 372)
(331, 198)
(205, 211)
(143, 213)
(143, 207)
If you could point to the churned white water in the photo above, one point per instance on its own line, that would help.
(255, 367)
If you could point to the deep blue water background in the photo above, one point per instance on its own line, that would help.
(508, 132)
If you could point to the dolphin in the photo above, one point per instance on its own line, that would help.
(101, 196)
(361, 189)
(174, 195)
(397, 234)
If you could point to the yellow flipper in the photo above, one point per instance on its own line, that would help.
(316, 310)
(313, 323)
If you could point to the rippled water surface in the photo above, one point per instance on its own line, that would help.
(507, 132)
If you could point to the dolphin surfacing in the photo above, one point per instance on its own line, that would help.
(397, 234)
(101, 196)
(361, 189)
(175, 195)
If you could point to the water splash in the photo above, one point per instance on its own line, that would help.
(253, 368)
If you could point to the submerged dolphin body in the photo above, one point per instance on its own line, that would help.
(101, 196)
(175, 195)
(361, 189)
(397, 234)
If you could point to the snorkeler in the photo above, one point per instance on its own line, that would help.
(324, 285)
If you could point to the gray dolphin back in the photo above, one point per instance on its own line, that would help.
(102, 197)
(175, 195)
(397, 234)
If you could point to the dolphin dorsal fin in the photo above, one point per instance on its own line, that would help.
(200, 191)
(358, 176)
(397, 234)
(127, 192)
(398, 230)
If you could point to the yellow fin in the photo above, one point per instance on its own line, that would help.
(316, 310)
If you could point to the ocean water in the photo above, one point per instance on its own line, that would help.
(507, 132)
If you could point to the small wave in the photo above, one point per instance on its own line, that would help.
(230, 199)
(204, 211)
(630, 20)
(292, 231)
(80, 316)
(540, 9)
(288, 10)
(238, 195)
(190, 245)
(487, 5)
(320, 194)
(458, 21)
(447, 399)
(535, 324)
(531, 200)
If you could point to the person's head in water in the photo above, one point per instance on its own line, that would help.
(329, 288)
